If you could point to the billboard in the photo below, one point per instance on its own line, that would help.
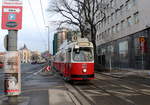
(12, 14)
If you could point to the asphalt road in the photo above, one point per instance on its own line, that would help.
(106, 90)
(37, 88)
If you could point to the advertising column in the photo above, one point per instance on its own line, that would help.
(12, 86)
(12, 21)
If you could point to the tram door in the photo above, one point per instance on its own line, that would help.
(68, 66)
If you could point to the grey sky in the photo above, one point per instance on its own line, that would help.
(33, 35)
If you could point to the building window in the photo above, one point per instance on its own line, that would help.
(100, 24)
(110, 50)
(105, 34)
(136, 18)
(123, 25)
(109, 31)
(104, 22)
(134, 2)
(112, 16)
(121, 9)
(129, 21)
(128, 4)
(102, 35)
(118, 27)
(112, 3)
(123, 49)
(113, 30)
(117, 13)
(108, 19)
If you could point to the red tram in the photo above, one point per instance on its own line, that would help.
(75, 60)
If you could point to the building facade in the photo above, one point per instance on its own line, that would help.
(61, 35)
(35, 56)
(25, 54)
(123, 37)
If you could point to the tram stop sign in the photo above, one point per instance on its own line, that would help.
(12, 14)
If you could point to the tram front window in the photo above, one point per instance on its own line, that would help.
(83, 54)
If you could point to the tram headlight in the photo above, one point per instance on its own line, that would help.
(84, 70)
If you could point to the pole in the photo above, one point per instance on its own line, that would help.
(142, 56)
(12, 40)
(48, 41)
(12, 80)
(110, 64)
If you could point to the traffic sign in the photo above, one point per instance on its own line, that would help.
(12, 3)
(141, 39)
(12, 14)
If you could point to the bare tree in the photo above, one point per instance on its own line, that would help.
(81, 13)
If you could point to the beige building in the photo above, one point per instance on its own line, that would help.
(35, 56)
(118, 37)
(25, 54)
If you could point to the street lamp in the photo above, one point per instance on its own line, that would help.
(48, 39)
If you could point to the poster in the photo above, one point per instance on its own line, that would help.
(12, 78)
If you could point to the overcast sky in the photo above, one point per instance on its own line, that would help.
(33, 35)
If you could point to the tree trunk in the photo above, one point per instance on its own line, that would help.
(93, 38)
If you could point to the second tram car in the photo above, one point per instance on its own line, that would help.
(75, 60)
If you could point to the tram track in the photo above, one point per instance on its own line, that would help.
(113, 95)
(114, 87)
(120, 78)
(79, 95)
(123, 86)
(132, 84)
(118, 91)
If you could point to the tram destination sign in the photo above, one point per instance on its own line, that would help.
(12, 14)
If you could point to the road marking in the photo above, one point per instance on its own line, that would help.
(37, 72)
(33, 73)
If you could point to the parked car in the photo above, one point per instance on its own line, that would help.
(34, 62)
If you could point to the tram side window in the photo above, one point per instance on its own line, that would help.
(68, 56)
(82, 54)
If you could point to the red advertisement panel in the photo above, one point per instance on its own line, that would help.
(12, 17)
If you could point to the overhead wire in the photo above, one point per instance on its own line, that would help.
(42, 12)
(36, 21)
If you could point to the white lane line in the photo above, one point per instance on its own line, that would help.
(37, 72)
(33, 73)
